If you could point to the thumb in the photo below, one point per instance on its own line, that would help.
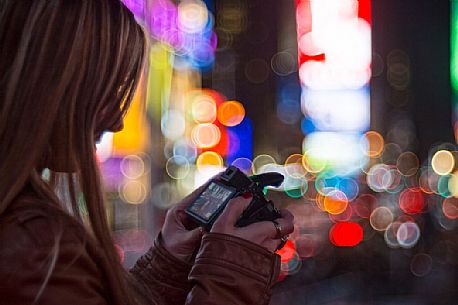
(234, 209)
(194, 236)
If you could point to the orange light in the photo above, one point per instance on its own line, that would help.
(231, 113)
(376, 143)
(335, 202)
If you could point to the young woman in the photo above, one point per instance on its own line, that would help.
(68, 71)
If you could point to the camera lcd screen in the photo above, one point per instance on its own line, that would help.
(211, 200)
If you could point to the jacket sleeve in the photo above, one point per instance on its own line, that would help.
(232, 271)
(162, 275)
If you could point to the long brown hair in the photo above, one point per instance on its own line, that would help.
(68, 71)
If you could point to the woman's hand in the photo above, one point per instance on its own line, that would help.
(262, 233)
(180, 236)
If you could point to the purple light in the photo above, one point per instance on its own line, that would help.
(136, 7)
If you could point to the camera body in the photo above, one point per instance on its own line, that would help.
(232, 183)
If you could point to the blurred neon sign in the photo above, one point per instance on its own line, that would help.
(186, 27)
(334, 44)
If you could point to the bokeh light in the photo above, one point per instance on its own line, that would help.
(192, 16)
(261, 162)
(133, 192)
(364, 205)
(376, 143)
(408, 163)
(177, 167)
(443, 162)
(186, 149)
(295, 187)
(421, 264)
(408, 234)
(231, 113)
(335, 202)
(450, 207)
(312, 163)
(390, 234)
(132, 167)
(209, 159)
(346, 234)
(342, 217)
(294, 166)
(411, 201)
(381, 218)
(205, 135)
(204, 108)
(173, 124)
(244, 164)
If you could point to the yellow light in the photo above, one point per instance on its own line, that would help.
(443, 162)
(133, 138)
(209, 159)
(453, 184)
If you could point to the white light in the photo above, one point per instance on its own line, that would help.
(345, 110)
(105, 146)
(205, 173)
(173, 124)
(341, 151)
(192, 16)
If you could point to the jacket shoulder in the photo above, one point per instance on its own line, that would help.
(36, 224)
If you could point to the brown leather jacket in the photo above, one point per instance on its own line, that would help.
(227, 270)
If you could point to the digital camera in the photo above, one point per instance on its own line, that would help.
(232, 183)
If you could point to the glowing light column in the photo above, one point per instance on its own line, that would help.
(334, 41)
(454, 62)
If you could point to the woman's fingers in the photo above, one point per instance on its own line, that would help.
(230, 214)
(285, 224)
(287, 215)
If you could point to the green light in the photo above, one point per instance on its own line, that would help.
(454, 45)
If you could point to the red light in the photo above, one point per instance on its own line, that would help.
(411, 201)
(120, 252)
(364, 10)
(287, 252)
(346, 234)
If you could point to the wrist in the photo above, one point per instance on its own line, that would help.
(175, 250)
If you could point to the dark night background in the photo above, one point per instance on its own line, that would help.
(370, 273)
